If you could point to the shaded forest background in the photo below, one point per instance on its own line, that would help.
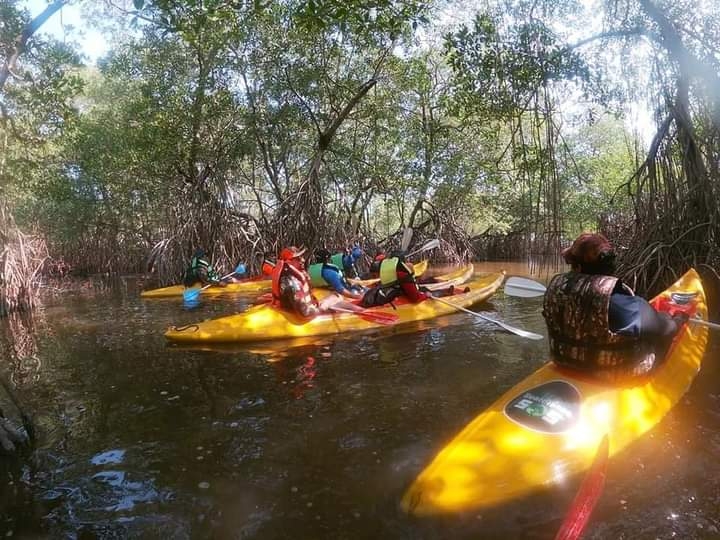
(502, 128)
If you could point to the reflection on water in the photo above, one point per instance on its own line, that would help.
(314, 438)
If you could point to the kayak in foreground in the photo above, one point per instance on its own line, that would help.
(550, 426)
(266, 322)
(251, 285)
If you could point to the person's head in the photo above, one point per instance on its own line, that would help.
(399, 253)
(356, 252)
(591, 253)
(322, 255)
(293, 256)
(199, 253)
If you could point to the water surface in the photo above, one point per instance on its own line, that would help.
(308, 439)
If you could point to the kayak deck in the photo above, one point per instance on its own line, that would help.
(253, 285)
(266, 322)
(549, 426)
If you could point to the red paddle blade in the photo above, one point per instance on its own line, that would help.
(587, 496)
(378, 317)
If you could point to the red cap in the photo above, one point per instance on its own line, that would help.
(291, 253)
(586, 249)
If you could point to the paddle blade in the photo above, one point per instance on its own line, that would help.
(587, 496)
(524, 288)
(378, 317)
(432, 244)
(406, 238)
(191, 295)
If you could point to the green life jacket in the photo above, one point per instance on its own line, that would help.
(316, 279)
(337, 260)
(388, 271)
(192, 274)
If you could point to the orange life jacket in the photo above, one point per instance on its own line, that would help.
(303, 296)
(267, 268)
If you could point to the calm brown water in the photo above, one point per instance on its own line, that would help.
(309, 440)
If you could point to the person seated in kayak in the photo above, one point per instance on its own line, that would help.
(347, 261)
(397, 278)
(374, 271)
(200, 270)
(595, 321)
(323, 274)
(291, 284)
(291, 287)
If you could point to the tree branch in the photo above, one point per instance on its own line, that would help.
(25, 35)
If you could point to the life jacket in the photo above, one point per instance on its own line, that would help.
(576, 310)
(337, 260)
(315, 271)
(389, 274)
(198, 266)
(303, 296)
(267, 268)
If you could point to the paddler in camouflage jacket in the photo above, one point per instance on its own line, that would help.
(596, 323)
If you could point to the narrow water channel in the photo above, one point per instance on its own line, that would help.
(309, 439)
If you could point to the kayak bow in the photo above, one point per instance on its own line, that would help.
(550, 425)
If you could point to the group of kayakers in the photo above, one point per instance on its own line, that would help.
(293, 280)
(595, 322)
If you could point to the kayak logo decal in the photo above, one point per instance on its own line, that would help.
(190, 327)
(552, 407)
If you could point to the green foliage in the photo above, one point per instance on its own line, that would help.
(200, 125)
(498, 69)
(36, 108)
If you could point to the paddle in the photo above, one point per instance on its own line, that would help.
(190, 295)
(524, 288)
(512, 329)
(406, 238)
(714, 326)
(371, 316)
(587, 496)
(432, 244)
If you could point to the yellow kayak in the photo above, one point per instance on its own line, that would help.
(456, 277)
(266, 322)
(254, 285)
(240, 287)
(549, 427)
